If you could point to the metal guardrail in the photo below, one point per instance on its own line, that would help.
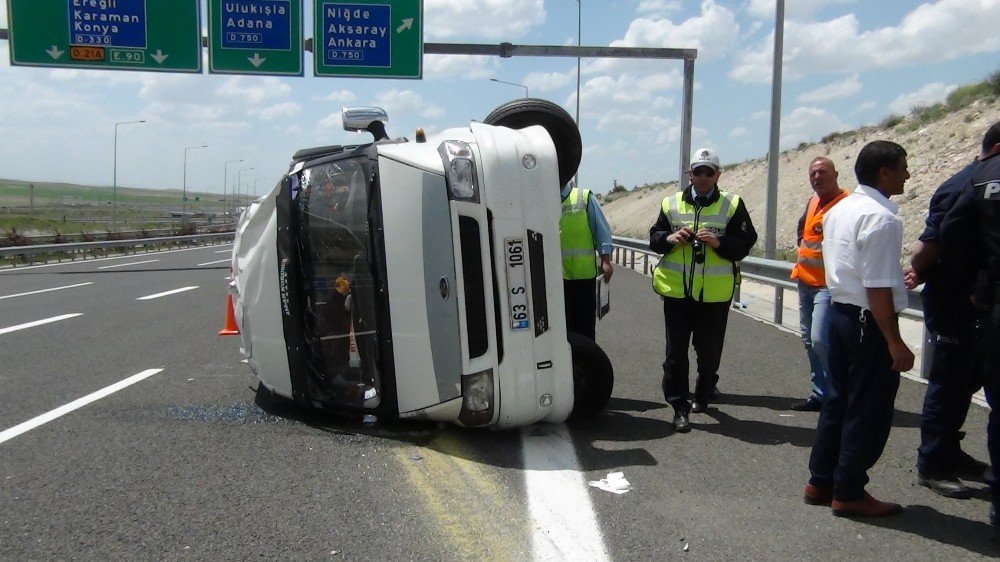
(769, 272)
(70, 251)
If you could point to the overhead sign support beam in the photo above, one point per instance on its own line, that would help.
(506, 50)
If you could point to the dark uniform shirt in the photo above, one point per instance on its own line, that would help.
(970, 232)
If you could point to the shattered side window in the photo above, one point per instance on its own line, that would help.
(340, 298)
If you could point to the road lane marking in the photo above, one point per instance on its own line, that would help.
(446, 479)
(126, 264)
(19, 269)
(74, 405)
(46, 290)
(166, 293)
(565, 527)
(38, 323)
(214, 262)
(224, 252)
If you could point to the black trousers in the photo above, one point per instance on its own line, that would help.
(581, 306)
(855, 421)
(991, 360)
(688, 321)
(955, 375)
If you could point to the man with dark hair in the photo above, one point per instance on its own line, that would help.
(951, 321)
(970, 234)
(862, 243)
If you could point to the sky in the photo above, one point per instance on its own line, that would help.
(846, 63)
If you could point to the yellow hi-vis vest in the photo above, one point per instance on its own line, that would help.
(578, 259)
(678, 275)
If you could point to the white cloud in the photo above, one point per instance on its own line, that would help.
(484, 19)
(805, 124)
(712, 32)
(406, 102)
(253, 90)
(739, 132)
(466, 66)
(925, 35)
(759, 115)
(845, 88)
(546, 81)
(277, 111)
(865, 106)
(929, 94)
(658, 7)
(796, 9)
(339, 97)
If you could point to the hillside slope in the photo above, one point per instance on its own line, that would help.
(935, 152)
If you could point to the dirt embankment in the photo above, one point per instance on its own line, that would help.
(936, 151)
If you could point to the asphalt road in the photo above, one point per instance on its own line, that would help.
(184, 465)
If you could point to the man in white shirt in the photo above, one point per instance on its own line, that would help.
(862, 244)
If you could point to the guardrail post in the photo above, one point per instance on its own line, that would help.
(645, 264)
(779, 304)
(631, 264)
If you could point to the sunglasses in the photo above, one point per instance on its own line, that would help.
(703, 171)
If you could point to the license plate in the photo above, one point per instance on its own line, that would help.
(517, 294)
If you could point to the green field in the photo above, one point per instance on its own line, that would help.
(44, 208)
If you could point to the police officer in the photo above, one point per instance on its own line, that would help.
(702, 232)
(582, 230)
(971, 234)
(951, 322)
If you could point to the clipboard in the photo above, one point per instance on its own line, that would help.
(603, 297)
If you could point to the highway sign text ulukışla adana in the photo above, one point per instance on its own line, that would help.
(255, 37)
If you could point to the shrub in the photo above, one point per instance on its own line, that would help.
(965, 95)
(890, 121)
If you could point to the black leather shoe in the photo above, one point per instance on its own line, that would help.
(946, 485)
(714, 393)
(698, 407)
(808, 405)
(681, 423)
(969, 467)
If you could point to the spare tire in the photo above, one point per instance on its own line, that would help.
(525, 112)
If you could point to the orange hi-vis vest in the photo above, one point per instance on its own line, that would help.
(809, 266)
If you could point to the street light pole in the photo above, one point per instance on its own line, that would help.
(579, 29)
(114, 177)
(225, 178)
(239, 185)
(184, 189)
(512, 84)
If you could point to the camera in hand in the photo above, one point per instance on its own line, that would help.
(699, 251)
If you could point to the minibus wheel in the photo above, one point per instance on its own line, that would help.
(525, 112)
(593, 377)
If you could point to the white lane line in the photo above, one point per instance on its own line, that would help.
(46, 290)
(564, 524)
(17, 270)
(224, 252)
(126, 264)
(38, 323)
(166, 293)
(76, 404)
(214, 262)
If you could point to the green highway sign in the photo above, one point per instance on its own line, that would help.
(368, 38)
(255, 37)
(162, 35)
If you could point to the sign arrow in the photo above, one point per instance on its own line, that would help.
(159, 57)
(407, 24)
(54, 52)
(256, 60)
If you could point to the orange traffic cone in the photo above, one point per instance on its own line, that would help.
(231, 328)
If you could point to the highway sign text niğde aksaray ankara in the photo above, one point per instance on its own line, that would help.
(255, 37)
(111, 34)
(368, 38)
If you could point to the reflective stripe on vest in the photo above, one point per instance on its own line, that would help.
(677, 274)
(578, 257)
(808, 268)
